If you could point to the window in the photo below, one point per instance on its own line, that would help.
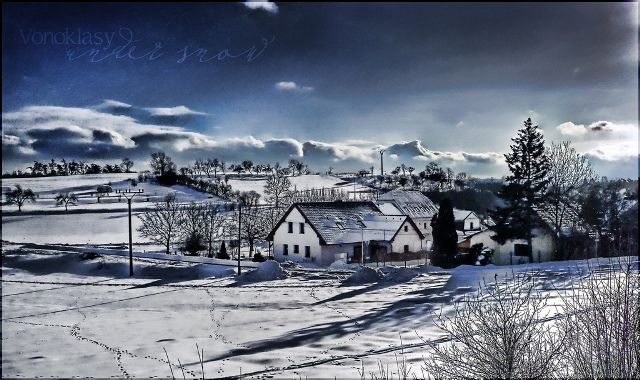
(296, 248)
(406, 248)
(285, 249)
(521, 250)
(406, 228)
(307, 251)
(425, 226)
(290, 225)
(470, 225)
(301, 228)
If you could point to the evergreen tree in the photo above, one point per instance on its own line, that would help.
(445, 238)
(222, 254)
(524, 188)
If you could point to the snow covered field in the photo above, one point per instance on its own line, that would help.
(105, 222)
(304, 182)
(64, 317)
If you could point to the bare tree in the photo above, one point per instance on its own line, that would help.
(568, 171)
(216, 219)
(276, 188)
(602, 323)
(192, 227)
(162, 224)
(19, 196)
(66, 199)
(497, 333)
(126, 165)
(161, 163)
(103, 191)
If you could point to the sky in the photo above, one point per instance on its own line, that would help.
(328, 84)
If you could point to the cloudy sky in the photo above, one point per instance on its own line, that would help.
(325, 83)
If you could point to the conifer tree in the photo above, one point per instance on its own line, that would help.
(524, 188)
(445, 238)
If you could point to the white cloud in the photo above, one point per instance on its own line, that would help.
(293, 87)
(460, 124)
(570, 129)
(173, 111)
(268, 6)
(603, 140)
(42, 132)
(110, 103)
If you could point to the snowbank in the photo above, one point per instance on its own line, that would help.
(267, 271)
(364, 275)
(91, 264)
(399, 274)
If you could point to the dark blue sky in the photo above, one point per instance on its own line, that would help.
(333, 80)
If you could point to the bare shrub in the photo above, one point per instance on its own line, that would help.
(602, 323)
(500, 332)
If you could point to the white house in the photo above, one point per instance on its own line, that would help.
(513, 251)
(466, 220)
(323, 232)
(415, 205)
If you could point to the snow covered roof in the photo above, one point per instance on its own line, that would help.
(460, 215)
(464, 235)
(411, 203)
(349, 222)
(374, 227)
(388, 208)
(570, 219)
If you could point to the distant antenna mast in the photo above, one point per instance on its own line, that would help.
(381, 163)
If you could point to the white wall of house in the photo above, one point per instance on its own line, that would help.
(472, 222)
(309, 238)
(424, 225)
(409, 237)
(543, 246)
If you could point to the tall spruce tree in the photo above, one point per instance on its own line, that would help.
(524, 188)
(445, 237)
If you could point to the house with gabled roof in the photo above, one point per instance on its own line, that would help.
(466, 220)
(324, 232)
(415, 205)
(516, 251)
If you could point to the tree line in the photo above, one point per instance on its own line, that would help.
(73, 167)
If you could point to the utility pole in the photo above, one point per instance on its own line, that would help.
(381, 163)
(129, 194)
(362, 243)
(239, 234)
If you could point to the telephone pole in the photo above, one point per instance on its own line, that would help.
(129, 194)
(239, 233)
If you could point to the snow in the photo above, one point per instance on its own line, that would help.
(64, 317)
(269, 270)
(363, 275)
(66, 312)
(303, 182)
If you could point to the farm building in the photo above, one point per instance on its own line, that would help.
(324, 232)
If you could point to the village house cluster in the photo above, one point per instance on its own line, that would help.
(396, 226)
